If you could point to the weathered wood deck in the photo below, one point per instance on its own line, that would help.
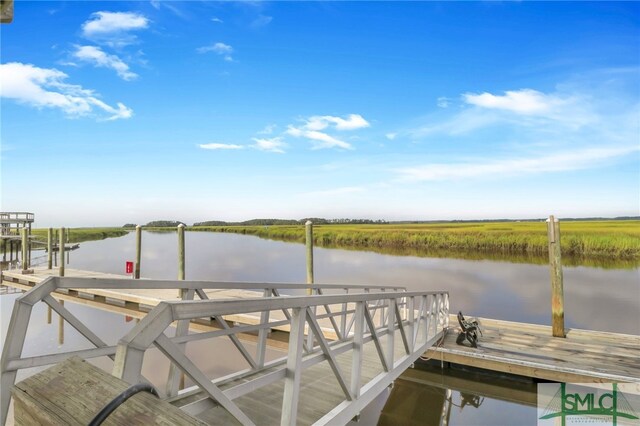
(529, 350)
(136, 303)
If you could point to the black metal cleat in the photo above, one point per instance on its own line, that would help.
(470, 329)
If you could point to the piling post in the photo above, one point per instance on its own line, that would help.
(50, 248)
(61, 324)
(138, 251)
(309, 244)
(29, 245)
(181, 252)
(61, 250)
(23, 244)
(555, 265)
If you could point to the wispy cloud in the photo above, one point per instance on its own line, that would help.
(217, 20)
(268, 129)
(321, 122)
(99, 58)
(45, 88)
(443, 102)
(478, 168)
(221, 146)
(219, 48)
(261, 21)
(525, 101)
(269, 144)
(312, 126)
(345, 190)
(113, 28)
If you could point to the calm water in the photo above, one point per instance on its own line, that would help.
(598, 299)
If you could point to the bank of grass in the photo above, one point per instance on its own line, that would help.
(78, 235)
(580, 239)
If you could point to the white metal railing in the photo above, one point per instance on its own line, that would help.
(341, 319)
(419, 319)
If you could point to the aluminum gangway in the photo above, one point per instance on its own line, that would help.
(346, 345)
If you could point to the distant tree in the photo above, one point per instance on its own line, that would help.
(212, 223)
(129, 225)
(164, 224)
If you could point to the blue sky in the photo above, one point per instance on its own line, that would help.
(117, 112)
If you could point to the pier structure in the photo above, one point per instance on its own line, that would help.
(15, 233)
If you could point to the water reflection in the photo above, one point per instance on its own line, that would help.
(595, 298)
(430, 396)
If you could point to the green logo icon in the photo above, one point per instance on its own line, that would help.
(604, 404)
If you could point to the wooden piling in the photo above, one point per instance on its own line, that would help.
(61, 250)
(138, 251)
(49, 251)
(48, 314)
(181, 268)
(23, 244)
(555, 265)
(29, 245)
(61, 325)
(309, 244)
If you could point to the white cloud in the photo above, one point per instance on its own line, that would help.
(219, 48)
(557, 162)
(218, 20)
(269, 144)
(99, 58)
(320, 140)
(45, 88)
(312, 126)
(352, 122)
(268, 129)
(226, 146)
(113, 27)
(391, 136)
(525, 101)
(261, 21)
(443, 102)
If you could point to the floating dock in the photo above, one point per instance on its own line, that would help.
(583, 356)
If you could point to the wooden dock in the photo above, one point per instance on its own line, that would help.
(507, 347)
(136, 303)
(529, 350)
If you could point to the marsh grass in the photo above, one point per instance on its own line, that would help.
(583, 242)
(78, 235)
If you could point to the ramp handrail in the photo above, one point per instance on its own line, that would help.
(12, 359)
(418, 328)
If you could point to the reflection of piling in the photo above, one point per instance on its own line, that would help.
(557, 291)
(61, 250)
(136, 273)
(309, 244)
(49, 251)
(48, 314)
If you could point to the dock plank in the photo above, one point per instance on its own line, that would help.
(530, 350)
